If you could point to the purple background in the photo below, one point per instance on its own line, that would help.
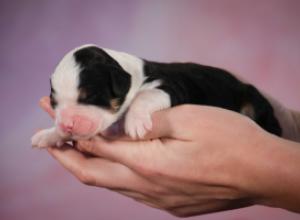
(258, 40)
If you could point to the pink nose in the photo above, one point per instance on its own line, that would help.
(67, 128)
(78, 123)
(77, 126)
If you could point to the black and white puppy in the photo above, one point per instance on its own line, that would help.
(92, 88)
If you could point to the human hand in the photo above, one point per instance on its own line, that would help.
(195, 160)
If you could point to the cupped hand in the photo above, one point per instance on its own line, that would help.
(195, 160)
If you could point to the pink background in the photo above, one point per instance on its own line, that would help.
(258, 40)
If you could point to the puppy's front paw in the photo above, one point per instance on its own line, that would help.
(137, 124)
(45, 138)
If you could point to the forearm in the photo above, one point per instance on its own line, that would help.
(275, 174)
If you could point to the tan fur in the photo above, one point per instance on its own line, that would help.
(115, 104)
(248, 110)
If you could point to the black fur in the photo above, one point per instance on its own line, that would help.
(52, 99)
(102, 79)
(189, 83)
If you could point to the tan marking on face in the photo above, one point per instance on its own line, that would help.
(82, 93)
(248, 110)
(115, 105)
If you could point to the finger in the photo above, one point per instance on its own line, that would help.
(129, 153)
(208, 206)
(46, 106)
(134, 194)
(68, 158)
(174, 123)
(145, 199)
(98, 171)
(162, 125)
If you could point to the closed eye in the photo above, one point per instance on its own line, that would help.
(53, 102)
(91, 97)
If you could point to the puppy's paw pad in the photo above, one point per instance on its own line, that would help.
(137, 124)
(43, 139)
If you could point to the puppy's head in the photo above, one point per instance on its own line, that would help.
(88, 89)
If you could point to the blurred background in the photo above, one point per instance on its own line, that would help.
(258, 40)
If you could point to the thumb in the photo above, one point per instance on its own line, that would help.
(132, 154)
(46, 106)
(162, 125)
(165, 124)
(171, 123)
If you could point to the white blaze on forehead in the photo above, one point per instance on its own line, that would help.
(65, 79)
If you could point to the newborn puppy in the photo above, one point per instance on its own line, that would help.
(92, 88)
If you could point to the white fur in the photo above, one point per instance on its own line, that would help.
(65, 79)
(47, 138)
(138, 118)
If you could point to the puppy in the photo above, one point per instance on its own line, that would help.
(92, 88)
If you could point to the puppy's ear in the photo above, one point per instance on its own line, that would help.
(121, 82)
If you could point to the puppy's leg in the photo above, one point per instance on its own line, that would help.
(47, 138)
(138, 118)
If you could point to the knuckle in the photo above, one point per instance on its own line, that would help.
(179, 213)
(158, 190)
(89, 147)
(171, 205)
(86, 146)
(174, 212)
(148, 170)
(85, 177)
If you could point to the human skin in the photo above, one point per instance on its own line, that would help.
(195, 160)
